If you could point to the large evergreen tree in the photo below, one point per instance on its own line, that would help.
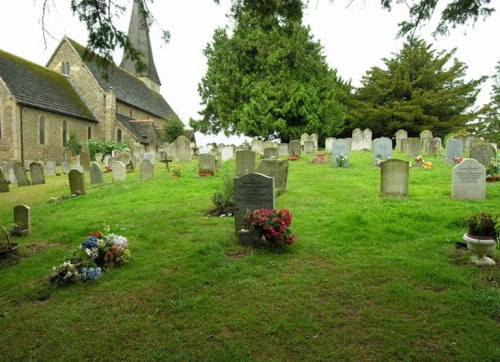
(268, 78)
(489, 125)
(415, 92)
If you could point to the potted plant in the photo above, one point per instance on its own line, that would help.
(205, 170)
(493, 169)
(177, 170)
(481, 236)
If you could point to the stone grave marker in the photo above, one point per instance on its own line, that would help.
(433, 147)
(394, 178)
(85, 160)
(22, 218)
(252, 192)
(308, 147)
(278, 169)
(454, 148)
(12, 175)
(482, 153)
(381, 150)
(182, 149)
(124, 158)
(96, 175)
(283, 150)
(98, 157)
(412, 146)
(50, 167)
(227, 153)
(256, 146)
(77, 182)
(468, 180)
(146, 170)
(294, 148)
(37, 174)
(119, 171)
(267, 144)
(4, 185)
(314, 138)
(207, 161)
(270, 152)
(245, 162)
(20, 172)
(111, 162)
(65, 166)
(340, 153)
(304, 137)
(468, 140)
(328, 144)
(361, 140)
(400, 136)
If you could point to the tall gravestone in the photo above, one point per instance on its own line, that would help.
(340, 153)
(22, 218)
(394, 178)
(294, 148)
(37, 175)
(207, 161)
(20, 172)
(283, 149)
(328, 144)
(433, 147)
(4, 185)
(85, 160)
(278, 169)
(482, 153)
(76, 180)
(454, 148)
(361, 140)
(146, 170)
(308, 147)
(181, 149)
(252, 192)
(245, 162)
(119, 171)
(50, 167)
(96, 175)
(468, 180)
(65, 166)
(412, 146)
(381, 150)
(256, 146)
(400, 136)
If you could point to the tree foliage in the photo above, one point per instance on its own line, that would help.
(173, 129)
(268, 78)
(489, 125)
(415, 92)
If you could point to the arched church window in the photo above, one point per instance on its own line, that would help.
(65, 133)
(119, 135)
(42, 130)
(89, 133)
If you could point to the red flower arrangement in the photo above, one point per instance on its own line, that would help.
(274, 226)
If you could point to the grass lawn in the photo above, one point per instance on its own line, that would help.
(369, 278)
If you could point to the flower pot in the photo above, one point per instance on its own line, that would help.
(204, 173)
(480, 246)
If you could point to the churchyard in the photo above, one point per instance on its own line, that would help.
(371, 277)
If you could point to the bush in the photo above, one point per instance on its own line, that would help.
(173, 129)
(223, 198)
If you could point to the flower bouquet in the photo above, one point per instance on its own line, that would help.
(273, 226)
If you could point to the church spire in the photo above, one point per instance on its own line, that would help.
(138, 34)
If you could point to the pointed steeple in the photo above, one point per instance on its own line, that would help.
(138, 34)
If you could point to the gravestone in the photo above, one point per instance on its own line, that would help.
(314, 138)
(65, 166)
(425, 136)
(22, 218)
(252, 192)
(245, 162)
(20, 172)
(37, 175)
(482, 153)
(433, 147)
(256, 146)
(278, 169)
(12, 175)
(181, 148)
(340, 153)
(77, 182)
(4, 185)
(394, 178)
(361, 140)
(283, 149)
(412, 146)
(270, 152)
(267, 144)
(454, 148)
(381, 150)
(294, 148)
(119, 171)
(96, 176)
(400, 136)
(468, 180)
(85, 160)
(111, 162)
(207, 161)
(328, 144)
(308, 147)
(468, 140)
(50, 167)
(124, 158)
(98, 157)
(146, 170)
(304, 137)
(149, 156)
(227, 153)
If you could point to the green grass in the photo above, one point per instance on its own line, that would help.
(369, 278)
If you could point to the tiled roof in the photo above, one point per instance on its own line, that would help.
(139, 128)
(128, 88)
(38, 87)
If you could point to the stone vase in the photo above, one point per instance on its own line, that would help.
(480, 247)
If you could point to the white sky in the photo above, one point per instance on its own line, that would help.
(354, 38)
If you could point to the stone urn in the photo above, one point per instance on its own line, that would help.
(480, 246)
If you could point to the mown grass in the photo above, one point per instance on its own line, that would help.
(369, 279)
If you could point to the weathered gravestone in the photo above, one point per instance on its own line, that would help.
(37, 175)
(454, 148)
(227, 153)
(482, 153)
(433, 147)
(381, 150)
(85, 160)
(308, 147)
(400, 136)
(245, 162)
(252, 192)
(328, 144)
(4, 185)
(119, 171)
(77, 182)
(124, 158)
(20, 172)
(256, 146)
(412, 146)
(283, 149)
(468, 180)
(50, 167)
(361, 140)
(12, 175)
(270, 152)
(340, 153)
(98, 157)
(180, 149)
(278, 169)
(65, 166)
(22, 218)
(207, 161)
(96, 176)
(294, 148)
(394, 178)
(146, 170)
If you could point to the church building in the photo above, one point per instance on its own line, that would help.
(40, 106)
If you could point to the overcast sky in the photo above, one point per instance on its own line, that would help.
(354, 39)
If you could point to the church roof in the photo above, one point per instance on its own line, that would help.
(38, 87)
(128, 88)
(138, 34)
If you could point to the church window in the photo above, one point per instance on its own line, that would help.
(119, 135)
(65, 68)
(89, 133)
(130, 113)
(42, 130)
(65, 133)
